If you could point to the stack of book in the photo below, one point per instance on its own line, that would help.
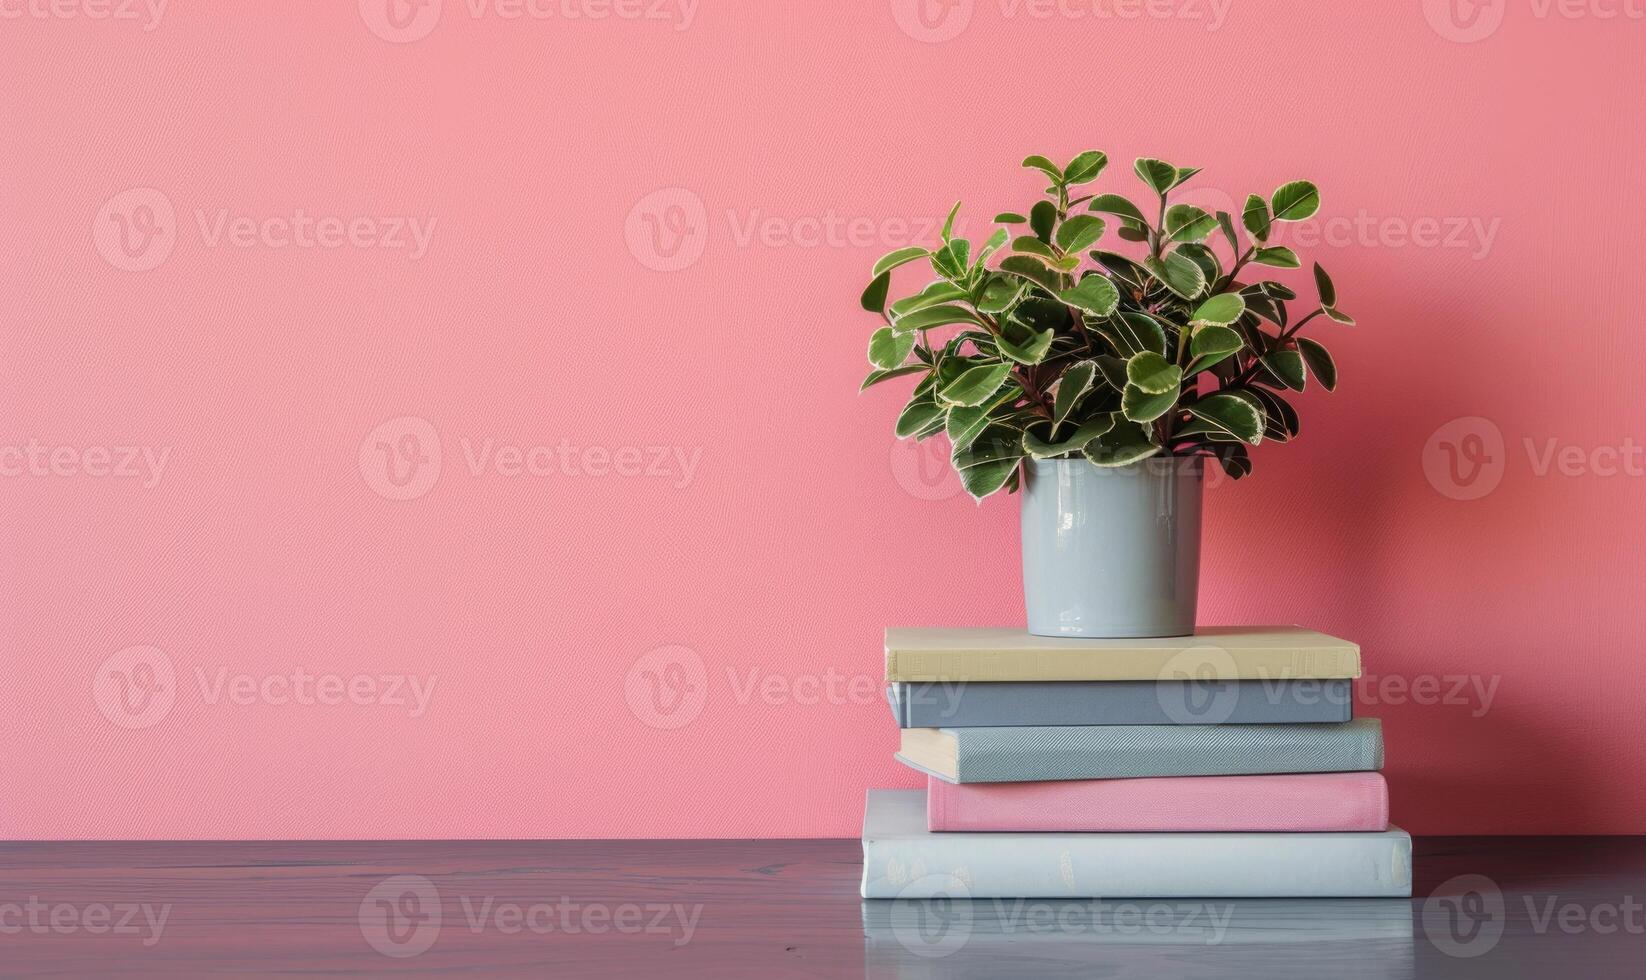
(1222, 765)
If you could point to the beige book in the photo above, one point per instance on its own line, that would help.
(1234, 653)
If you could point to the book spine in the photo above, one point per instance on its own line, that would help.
(1140, 866)
(929, 704)
(958, 666)
(1311, 802)
(996, 755)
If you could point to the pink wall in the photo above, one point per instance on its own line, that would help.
(651, 233)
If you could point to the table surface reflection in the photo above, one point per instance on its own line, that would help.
(1486, 907)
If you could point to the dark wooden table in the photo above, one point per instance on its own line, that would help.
(1488, 907)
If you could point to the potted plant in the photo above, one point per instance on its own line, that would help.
(1100, 382)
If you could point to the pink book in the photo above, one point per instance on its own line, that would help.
(1303, 802)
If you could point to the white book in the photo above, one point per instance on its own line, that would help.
(902, 859)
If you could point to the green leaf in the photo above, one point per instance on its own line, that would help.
(1280, 418)
(919, 419)
(1009, 218)
(989, 460)
(1033, 246)
(1333, 313)
(1071, 387)
(1320, 362)
(999, 293)
(1126, 443)
(1278, 256)
(1079, 232)
(1212, 345)
(1323, 283)
(1225, 416)
(875, 377)
(1295, 201)
(993, 245)
(1117, 205)
(889, 348)
(1023, 344)
(874, 297)
(1158, 174)
(966, 423)
(1133, 333)
(1222, 309)
(937, 316)
(975, 385)
(1187, 223)
(1093, 427)
(1256, 218)
(953, 260)
(1152, 374)
(1095, 294)
(1112, 370)
(1287, 367)
(948, 224)
(932, 295)
(1045, 166)
(1179, 273)
(1031, 269)
(1184, 173)
(1235, 459)
(1041, 218)
(1132, 231)
(902, 256)
(1140, 406)
(1226, 222)
(1085, 167)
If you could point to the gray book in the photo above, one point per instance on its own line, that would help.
(959, 704)
(1025, 753)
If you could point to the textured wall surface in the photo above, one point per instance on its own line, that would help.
(440, 420)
